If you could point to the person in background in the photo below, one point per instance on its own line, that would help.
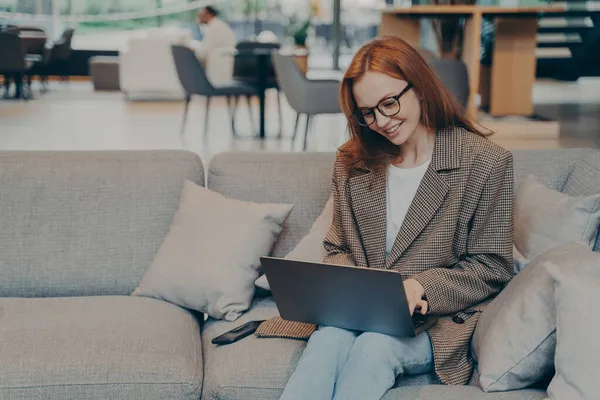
(216, 33)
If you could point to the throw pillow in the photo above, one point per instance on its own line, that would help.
(310, 248)
(578, 319)
(515, 337)
(210, 258)
(584, 180)
(519, 261)
(545, 218)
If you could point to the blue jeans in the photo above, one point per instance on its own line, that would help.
(344, 365)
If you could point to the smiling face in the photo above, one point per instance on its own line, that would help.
(374, 87)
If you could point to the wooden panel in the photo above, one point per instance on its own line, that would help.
(513, 67)
(406, 28)
(485, 73)
(471, 58)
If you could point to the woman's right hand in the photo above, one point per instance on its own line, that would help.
(414, 295)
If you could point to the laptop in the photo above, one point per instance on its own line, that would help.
(354, 298)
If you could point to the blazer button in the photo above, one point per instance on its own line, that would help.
(458, 320)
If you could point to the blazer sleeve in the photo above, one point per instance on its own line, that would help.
(335, 242)
(488, 263)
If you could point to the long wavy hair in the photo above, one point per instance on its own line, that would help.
(396, 58)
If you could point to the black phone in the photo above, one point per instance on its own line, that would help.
(237, 333)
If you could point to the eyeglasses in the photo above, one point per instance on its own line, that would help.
(389, 107)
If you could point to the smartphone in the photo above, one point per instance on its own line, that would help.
(237, 333)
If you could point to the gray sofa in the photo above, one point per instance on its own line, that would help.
(79, 229)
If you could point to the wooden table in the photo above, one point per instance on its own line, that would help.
(506, 87)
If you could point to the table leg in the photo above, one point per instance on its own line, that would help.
(261, 88)
(19, 90)
(471, 56)
(513, 67)
(406, 28)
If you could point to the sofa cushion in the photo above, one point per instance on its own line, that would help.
(545, 218)
(266, 177)
(301, 179)
(256, 368)
(584, 180)
(109, 347)
(83, 223)
(577, 318)
(439, 392)
(552, 167)
(210, 258)
(311, 247)
(515, 338)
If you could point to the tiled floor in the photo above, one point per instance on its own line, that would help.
(73, 116)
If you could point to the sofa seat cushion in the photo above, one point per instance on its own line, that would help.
(439, 392)
(113, 347)
(257, 368)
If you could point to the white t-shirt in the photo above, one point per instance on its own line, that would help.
(217, 35)
(402, 185)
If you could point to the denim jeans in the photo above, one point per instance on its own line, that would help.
(344, 365)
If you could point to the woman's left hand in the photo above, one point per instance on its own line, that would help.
(414, 294)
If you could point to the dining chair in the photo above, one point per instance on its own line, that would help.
(454, 76)
(308, 97)
(14, 63)
(194, 82)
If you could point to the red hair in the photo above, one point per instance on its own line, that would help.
(396, 58)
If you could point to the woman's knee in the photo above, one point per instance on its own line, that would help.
(332, 336)
(377, 348)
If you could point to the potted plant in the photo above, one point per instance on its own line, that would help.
(299, 32)
(448, 31)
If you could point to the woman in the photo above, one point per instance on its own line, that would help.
(420, 190)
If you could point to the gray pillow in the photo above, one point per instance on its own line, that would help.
(311, 247)
(584, 180)
(578, 319)
(545, 218)
(210, 258)
(515, 337)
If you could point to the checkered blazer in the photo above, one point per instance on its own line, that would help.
(456, 239)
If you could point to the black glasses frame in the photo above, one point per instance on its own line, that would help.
(359, 116)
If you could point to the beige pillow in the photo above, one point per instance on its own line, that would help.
(515, 337)
(210, 258)
(310, 248)
(545, 218)
(577, 298)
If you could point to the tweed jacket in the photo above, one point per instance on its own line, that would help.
(456, 239)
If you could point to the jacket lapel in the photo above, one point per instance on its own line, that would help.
(367, 192)
(430, 194)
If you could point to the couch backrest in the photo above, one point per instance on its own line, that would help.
(85, 223)
(90, 223)
(552, 167)
(304, 179)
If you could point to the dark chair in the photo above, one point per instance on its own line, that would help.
(245, 69)
(54, 59)
(427, 54)
(60, 53)
(194, 81)
(306, 96)
(13, 63)
(454, 76)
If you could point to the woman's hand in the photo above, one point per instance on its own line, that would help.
(414, 294)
